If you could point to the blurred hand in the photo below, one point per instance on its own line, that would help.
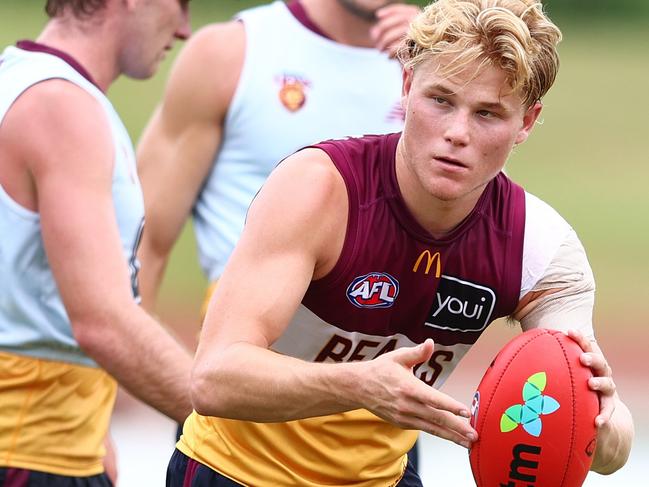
(110, 460)
(393, 393)
(391, 26)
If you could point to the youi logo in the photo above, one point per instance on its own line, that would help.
(373, 290)
(529, 414)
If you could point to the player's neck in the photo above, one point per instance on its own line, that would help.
(338, 23)
(91, 48)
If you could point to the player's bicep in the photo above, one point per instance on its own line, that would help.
(285, 238)
(71, 160)
(179, 144)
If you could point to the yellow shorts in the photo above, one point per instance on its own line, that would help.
(54, 415)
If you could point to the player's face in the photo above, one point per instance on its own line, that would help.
(365, 9)
(460, 130)
(154, 25)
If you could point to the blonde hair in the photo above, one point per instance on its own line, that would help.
(514, 35)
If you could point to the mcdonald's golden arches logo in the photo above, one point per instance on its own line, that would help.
(435, 258)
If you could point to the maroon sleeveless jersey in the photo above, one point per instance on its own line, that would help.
(394, 280)
(393, 286)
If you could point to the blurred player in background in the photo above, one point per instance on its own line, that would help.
(71, 216)
(316, 362)
(245, 94)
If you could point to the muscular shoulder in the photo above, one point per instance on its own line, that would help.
(55, 123)
(304, 200)
(216, 47)
(309, 178)
(206, 72)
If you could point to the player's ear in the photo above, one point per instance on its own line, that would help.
(407, 74)
(529, 119)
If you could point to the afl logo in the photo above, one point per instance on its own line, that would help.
(475, 408)
(373, 290)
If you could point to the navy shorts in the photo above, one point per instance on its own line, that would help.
(19, 477)
(187, 472)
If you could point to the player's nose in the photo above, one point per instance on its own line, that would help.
(184, 29)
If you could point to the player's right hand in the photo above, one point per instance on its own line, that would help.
(391, 26)
(393, 393)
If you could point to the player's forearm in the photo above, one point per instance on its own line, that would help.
(153, 265)
(614, 441)
(250, 383)
(143, 358)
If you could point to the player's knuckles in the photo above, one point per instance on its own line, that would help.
(405, 417)
(608, 387)
(595, 383)
(402, 408)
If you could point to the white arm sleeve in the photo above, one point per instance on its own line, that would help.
(554, 258)
(572, 306)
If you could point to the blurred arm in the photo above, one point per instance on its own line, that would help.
(178, 146)
(62, 135)
(294, 233)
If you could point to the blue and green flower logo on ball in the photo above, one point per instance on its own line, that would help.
(528, 415)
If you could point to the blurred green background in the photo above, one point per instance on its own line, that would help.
(589, 158)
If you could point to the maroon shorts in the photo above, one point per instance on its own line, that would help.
(186, 472)
(19, 477)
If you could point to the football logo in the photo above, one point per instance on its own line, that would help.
(373, 290)
(475, 408)
(529, 414)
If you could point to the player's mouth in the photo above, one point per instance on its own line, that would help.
(451, 163)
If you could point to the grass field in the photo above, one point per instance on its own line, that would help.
(589, 159)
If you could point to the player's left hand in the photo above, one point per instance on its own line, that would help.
(391, 25)
(615, 432)
(602, 382)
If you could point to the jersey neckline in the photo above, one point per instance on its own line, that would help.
(404, 216)
(32, 46)
(299, 12)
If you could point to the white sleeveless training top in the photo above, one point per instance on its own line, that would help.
(296, 88)
(33, 320)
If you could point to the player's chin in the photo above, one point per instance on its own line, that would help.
(448, 191)
(145, 69)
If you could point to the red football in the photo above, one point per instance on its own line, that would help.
(535, 415)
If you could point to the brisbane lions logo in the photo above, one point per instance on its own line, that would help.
(292, 92)
(373, 290)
